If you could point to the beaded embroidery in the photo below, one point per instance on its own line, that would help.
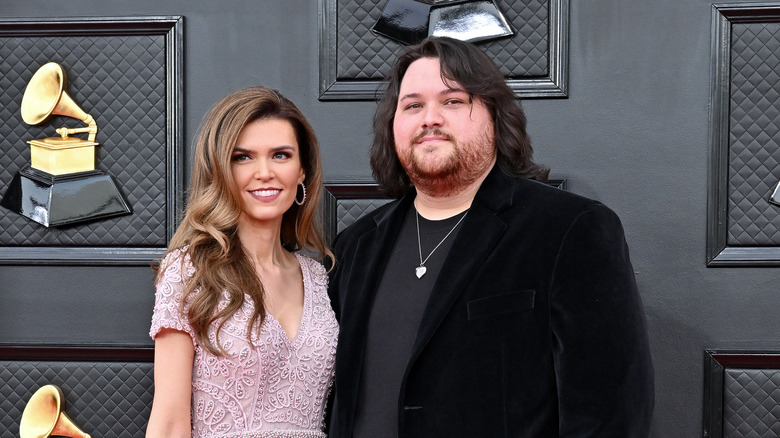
(277, 434)
(274, 387)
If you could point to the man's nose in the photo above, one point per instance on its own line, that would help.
(432, 117)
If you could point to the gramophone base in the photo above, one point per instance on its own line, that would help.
(57, 200)
(58, 156)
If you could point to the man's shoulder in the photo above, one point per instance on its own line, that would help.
(547, 203)
(535, 192)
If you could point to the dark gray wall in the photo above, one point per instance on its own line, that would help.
(632, 133)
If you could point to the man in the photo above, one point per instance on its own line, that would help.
(481, 303)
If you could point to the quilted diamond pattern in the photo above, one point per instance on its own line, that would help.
(754, 126)
(119, 80)
(105, 399)
(349, 210)
(751, 403)
(365, 55)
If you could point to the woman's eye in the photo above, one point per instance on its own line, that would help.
(281, 155)
(240, 157)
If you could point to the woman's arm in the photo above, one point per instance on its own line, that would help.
(173, 358)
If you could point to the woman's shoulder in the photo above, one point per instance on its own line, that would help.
(175, 254)
(313, 266)
(177, 261)
(310, 262)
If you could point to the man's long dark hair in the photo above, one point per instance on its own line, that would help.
(467, 65)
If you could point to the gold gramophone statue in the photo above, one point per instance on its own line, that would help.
(61, 186)
(44, 417)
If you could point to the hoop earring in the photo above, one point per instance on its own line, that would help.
(304, 195)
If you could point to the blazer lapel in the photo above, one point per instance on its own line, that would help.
(373, 248)
(481, 231)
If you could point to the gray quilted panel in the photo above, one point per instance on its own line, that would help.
(754, 134)
(751, 403)
(365, 55)
(105, 399)
(119, 80)
(349, 210)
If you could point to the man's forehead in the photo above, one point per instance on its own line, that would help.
(420, 74)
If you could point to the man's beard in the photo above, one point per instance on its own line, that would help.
(467, 163)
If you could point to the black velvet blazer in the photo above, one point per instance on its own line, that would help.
(534, 328)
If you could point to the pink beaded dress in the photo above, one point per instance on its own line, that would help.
(273, 387)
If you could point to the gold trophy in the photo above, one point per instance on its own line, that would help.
(61, 186)
(44, 417)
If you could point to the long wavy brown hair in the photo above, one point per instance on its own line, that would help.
(478, 75)
(209, 226)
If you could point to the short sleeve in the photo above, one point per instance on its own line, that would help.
(176, 270)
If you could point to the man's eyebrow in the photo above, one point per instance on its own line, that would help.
(444, 92)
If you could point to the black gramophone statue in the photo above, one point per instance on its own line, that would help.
(61, 186)
(411, 21)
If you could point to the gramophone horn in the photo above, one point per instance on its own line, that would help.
(43, 416)
(45, 95)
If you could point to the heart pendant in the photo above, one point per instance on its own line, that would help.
(420, 271)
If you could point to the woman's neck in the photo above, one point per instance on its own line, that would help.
(263, 245)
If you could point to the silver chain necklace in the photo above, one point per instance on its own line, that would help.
(421, 270)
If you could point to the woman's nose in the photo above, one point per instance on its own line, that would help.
(262, 170)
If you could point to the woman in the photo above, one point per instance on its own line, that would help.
(245, 337)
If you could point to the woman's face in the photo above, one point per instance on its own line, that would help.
(266, 167)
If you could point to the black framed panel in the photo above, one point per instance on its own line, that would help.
(108, 389)
(741, 393)
(354, 60)
(345, 202)
(743, 227)
(127, 73)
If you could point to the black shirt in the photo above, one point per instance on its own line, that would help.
(395, 318)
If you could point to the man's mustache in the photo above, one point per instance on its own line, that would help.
(435, 132)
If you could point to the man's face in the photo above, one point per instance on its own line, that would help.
(445, 142)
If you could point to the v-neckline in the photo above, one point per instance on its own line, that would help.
(294, 340)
